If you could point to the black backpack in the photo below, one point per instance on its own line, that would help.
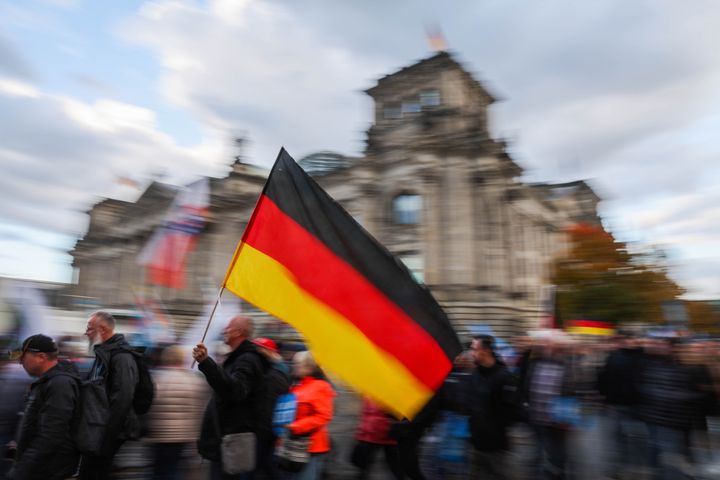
(144, 390)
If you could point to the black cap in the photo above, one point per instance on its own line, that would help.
(35, 343)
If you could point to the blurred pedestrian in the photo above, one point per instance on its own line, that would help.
(668, 396)
(45, 447)
(491, 400)
(617, 383)
(314, 412)
(173, 422)
(373, 435)
(114, 363)
(549, 393)
(277, 382)
(14, 384)
(238, 392)
(409, 434)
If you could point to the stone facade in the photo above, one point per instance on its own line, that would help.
(433, 187)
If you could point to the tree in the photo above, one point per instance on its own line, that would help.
(600, 279)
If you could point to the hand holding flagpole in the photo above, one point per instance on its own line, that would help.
(207, 327)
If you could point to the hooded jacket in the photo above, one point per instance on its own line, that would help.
(238, 395)
(115, 362)
(46, 449)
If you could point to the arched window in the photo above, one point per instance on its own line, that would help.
(407, 209)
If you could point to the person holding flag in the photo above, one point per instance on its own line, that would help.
(306, 261)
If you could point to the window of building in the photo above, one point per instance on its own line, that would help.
(392, 111)
(416, 264)
(430, 98)
(411, 107)
(407, 209)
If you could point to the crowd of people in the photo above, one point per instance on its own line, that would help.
(262, 412)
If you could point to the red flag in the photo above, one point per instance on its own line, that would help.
(164, 255)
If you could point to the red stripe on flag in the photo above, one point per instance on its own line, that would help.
(331, 280)
(590, 323)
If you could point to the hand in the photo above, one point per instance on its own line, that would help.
(200, 353)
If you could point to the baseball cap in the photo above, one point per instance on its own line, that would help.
(266, 343)
(36, 344)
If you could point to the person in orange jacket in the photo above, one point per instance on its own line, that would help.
(314, 412)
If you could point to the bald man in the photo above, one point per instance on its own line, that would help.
(238, 392)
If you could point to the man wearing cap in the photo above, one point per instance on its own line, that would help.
(238, 393)
(115, 363)
(45, 448)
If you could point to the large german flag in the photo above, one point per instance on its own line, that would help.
(306, 261)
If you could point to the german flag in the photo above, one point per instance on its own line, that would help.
(306, 261)
(590, 327)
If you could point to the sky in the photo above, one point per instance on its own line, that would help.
(621, 93)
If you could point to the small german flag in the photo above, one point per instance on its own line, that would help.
(306, 261)
(590, 327)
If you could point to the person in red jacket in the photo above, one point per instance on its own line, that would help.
(314, 412)
(372, 435)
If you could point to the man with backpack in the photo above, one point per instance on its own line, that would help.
(45, 447)
(125, 379)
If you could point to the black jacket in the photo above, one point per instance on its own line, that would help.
(45, 446)
(491, 401)
(115, 362)
(668, 394)
(239, 391)
(618, 379)
(277, 382)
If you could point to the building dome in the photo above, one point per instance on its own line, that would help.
(322, 163)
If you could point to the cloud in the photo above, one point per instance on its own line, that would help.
(621, 92)
(11, 62)
(251, 66)
(59, 155)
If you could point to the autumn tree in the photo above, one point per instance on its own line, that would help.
(599, 279)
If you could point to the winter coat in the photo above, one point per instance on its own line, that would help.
(46, 449)
(668, 394)
(277, 382)
(375, 424)
(115, 362)
(238, 393)
(314, 412)
(177, 409)
(618, 379)
(14, 385)
(491, 402)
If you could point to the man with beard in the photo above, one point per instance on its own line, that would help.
(115, 363)
(45, 448)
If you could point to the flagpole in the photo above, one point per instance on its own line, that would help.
(212, 314)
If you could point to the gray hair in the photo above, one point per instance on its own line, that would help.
(105, 318)
(305, 358)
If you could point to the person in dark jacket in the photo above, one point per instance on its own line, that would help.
(409, 435)
(238, 393)
(115, 363)
(45, 448)
(668, 396)
(14, 384)
(277, 382)
(490, 400)
(617, 382)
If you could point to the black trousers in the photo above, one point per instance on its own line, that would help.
(99, 467)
